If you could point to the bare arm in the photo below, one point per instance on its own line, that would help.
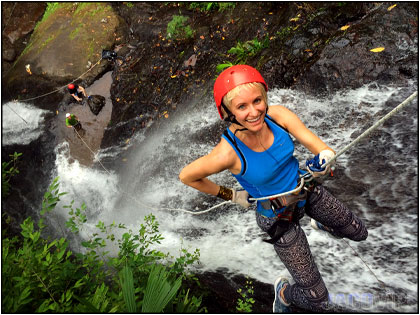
(195, 174)
(76, 97)
(83, 90)
(287, 119)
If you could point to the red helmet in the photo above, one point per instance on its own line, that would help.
(71, 86)
(231, 78)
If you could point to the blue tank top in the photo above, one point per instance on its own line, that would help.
(270, 172)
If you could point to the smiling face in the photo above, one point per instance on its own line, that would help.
(249, 105)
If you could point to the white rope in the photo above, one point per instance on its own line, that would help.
(58, 89)
(303, 177)
(16, 114)
(296, 190)
(374, 127)
(33, 98)
(148, 205)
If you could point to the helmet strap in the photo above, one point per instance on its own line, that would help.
(230, 118)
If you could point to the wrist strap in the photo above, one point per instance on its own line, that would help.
(225, 193)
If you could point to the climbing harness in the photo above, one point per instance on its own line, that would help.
(305, 179)
(280, 226)
(308, 176)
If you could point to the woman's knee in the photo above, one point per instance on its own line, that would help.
(355, 231)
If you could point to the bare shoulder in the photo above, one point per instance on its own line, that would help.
(224, 154)
(281, 114)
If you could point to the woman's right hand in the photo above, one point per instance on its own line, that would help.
(241, 197)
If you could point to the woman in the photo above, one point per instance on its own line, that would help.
(258, 150)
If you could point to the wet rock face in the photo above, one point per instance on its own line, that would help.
(18, 21)
(63, 48)
(307, 50)
(35, 166)
(348, 62)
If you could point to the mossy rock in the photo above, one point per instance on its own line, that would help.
(69, 37)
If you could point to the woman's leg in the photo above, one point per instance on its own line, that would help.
(309, 291)
(329, 211)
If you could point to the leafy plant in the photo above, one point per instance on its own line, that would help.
(8, 170)
(43, 275)
(284, 33)
(245, 301)
(248, 49)
(222, 66)
(178, 29)
(160, 290)
(208, 6)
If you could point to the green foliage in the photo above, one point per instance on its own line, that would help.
(184, 304)
(284, 33)
(250, 48)
(208, 6)
(222, 66)
(8, 170)
(129, 4)
(42, 275)
(245, 302)
(127, 284)
(51, 7)
(178, 29)
(160, 290)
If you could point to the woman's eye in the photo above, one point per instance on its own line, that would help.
(257, 100)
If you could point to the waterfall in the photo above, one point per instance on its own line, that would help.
(378, 180)
(21, 123)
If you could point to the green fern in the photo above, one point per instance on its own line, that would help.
(159, 290)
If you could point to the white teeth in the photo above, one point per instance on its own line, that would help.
(254, 120)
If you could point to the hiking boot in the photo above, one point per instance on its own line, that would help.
(279, 305)
(319, 226)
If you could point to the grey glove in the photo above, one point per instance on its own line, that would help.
(241, 197)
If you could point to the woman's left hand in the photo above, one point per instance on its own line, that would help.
(325, 156)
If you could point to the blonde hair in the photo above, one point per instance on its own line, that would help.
(227, 99)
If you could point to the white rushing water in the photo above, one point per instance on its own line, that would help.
(21, 123)
(229, 238)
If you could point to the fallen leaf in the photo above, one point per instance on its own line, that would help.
(191, 61)
(223, 38)
(173, 76)
(127, 141)
(391, 7)
(166, 115)
(343, 28)
(307, 50)
(377, 49)
(294, 19)
(124, 160)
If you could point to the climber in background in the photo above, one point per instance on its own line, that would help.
(77, 91)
